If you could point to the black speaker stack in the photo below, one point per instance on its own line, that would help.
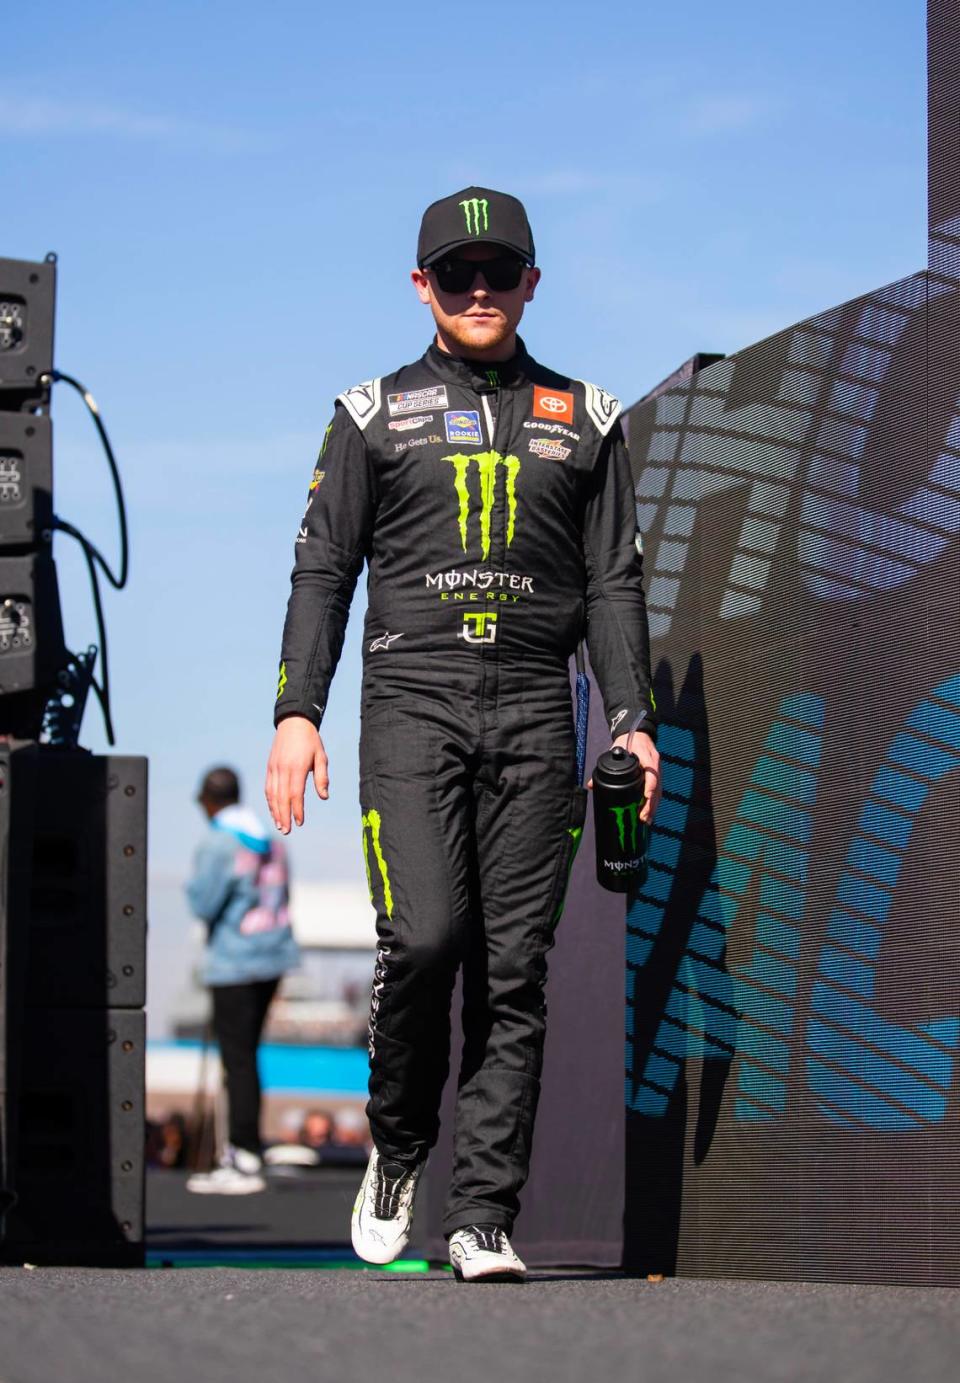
(73, 854)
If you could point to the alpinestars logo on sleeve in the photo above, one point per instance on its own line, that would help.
(384, 641)
(488, 463)
(475, 214)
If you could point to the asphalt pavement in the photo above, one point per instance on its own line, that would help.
(229, 1325)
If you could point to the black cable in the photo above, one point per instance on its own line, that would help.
(94, 557)
(91, 555)
(118, 582)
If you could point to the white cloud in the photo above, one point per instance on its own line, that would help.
(33, 117)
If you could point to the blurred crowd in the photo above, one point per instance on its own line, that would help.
(319, 1138)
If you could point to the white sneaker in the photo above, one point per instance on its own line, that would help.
(240, 1174)
(482, 1253)
(383, 1210)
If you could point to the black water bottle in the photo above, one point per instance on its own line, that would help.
(621, 836)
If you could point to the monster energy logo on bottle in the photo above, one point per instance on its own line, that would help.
(487, 465)
(371, 821)
(630, 813)
(475, 210)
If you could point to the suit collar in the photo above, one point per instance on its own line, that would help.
(485, 379)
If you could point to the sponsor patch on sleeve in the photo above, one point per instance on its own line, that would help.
(463, 426)
(603, 408)
(362, 402)
(554, 404)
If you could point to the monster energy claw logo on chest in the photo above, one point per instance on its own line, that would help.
(488, 463)
(475, 211)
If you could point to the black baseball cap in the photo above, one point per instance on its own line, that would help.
(477, 214)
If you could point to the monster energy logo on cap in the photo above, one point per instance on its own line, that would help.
(488, 463)
(475, 213)
(472, 214)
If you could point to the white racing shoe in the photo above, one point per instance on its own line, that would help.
(482, 1253)
(383, 1210)
(240, 1173)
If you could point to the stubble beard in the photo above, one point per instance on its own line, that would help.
(491, 337)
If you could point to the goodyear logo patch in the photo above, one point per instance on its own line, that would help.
(463, 427)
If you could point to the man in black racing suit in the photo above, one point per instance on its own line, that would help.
(492, 501)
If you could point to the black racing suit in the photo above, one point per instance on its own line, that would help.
(495, 509)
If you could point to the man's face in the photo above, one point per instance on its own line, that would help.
(480, 319)
(317, 1130)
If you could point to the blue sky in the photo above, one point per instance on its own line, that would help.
(234, 192)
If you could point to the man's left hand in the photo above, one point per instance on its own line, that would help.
(646, 751)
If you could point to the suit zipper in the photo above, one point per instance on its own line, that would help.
(491, 432)
(485, 402)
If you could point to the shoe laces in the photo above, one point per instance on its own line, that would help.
(488, 1238)
(389, 1188)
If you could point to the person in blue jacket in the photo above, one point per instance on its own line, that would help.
(240, 888)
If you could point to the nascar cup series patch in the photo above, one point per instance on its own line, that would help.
(416, 401)
(463, 427)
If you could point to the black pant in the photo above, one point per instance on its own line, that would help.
(239, 1011)
(471, 820)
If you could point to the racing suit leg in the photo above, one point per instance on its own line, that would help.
(416, 802)
(529, 815)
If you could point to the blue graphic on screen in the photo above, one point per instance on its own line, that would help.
(864, 1070)
(867, 1070)
(716, 1012)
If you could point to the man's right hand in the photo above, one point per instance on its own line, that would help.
(297, 749)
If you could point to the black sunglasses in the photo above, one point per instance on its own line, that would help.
(457, 275)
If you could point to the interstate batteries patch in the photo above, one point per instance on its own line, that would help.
(417, 401)
(549, 448)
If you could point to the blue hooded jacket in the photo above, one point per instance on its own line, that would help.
(240, 888)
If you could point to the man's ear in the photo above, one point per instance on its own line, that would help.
(533, 278)
(422, 284)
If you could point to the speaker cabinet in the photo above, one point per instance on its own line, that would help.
(88, 937)
(73, 839)
(27, 294)
(79, 1165)
(26, 480)
(31, 629)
